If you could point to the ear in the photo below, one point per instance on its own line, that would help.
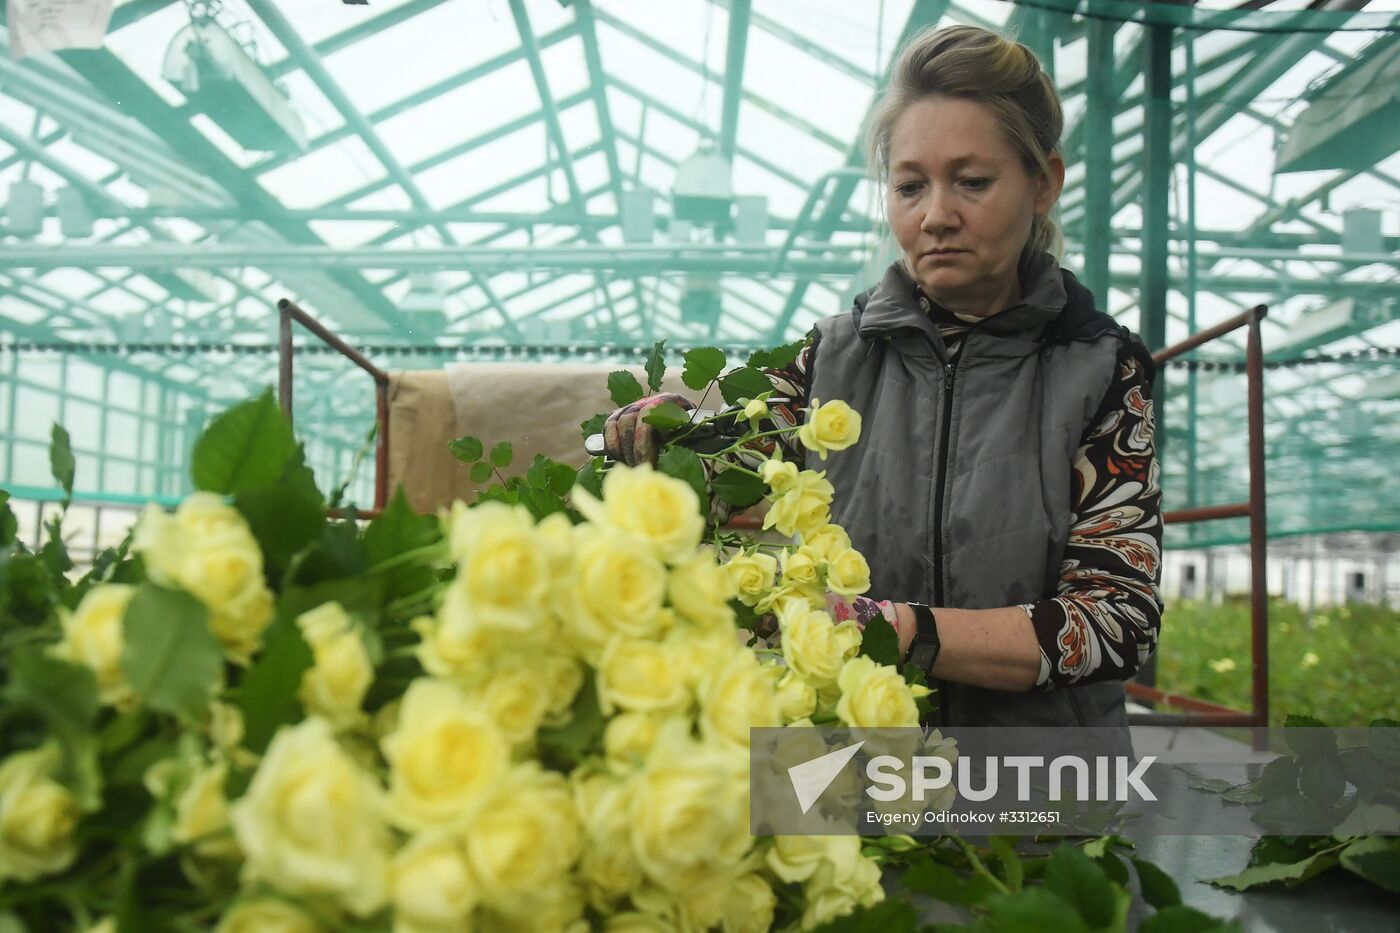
(1050, 184)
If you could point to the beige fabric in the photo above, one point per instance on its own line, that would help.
(536, 406)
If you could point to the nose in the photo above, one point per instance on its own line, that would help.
(940, 213)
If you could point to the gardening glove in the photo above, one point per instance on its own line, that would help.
(630, 440)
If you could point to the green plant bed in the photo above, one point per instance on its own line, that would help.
(1344, 668)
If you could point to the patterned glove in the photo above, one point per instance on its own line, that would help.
(629, 439)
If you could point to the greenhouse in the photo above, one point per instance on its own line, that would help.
(402, 400)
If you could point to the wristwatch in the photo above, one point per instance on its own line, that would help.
(923, 649)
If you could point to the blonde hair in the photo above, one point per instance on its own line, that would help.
(979, 65)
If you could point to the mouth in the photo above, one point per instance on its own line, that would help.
(944, 252)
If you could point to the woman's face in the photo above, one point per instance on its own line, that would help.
(960, 203)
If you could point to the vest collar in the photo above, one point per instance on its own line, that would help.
(894, 304)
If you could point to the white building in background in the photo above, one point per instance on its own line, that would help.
(1322, 570)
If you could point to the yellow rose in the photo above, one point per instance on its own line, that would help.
(514, 699)
(804, 507)
(559, 676)
(207, 549)
(736, 698)
(608, 866)
(795, 858)
(455, 646)
(310, 821)
(634, 921)
(431, 883)
(780, 475)
(225, 726)
(266, 915)
(826, 542)
(340, 675)
(749, 906)
(814, 646)
(874, 696)
(445, 758)
(504, 568)
(848, 573)
(37, 817)
(202, 814)
(641, 676)
(751, 576)
(790, 598)
(700, 590)
(555, 909)
(628, 739)
(700, 653)
(93, 637)
(661, 510)
(688, 813)
(797, 699)
(616, 588)
(526, 838)
(840, 885)
(754, 409)
(801, 569)
(833, 426)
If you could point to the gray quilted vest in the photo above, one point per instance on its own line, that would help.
(959, 491)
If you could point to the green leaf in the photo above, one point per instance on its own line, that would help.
(778, 357)
(247, 447)
(656, 366)
(171, 658)
(702, 365)
(466, 448)
(481, 472)
(1289, 873)
(1010, 862)
(9, 923)
(1034, 910)
(1308, 737)
(550, 475)
(64, 695)
(1377, 859)
(590, 476)
(668, 416)
(283, 519)
(397, 530)
(571, 743)
(889, 916)
(738, 488)
(1182, 919)
(54, 553)
(624, 388)
(541, 502)
(502, 455)
(880, 642)
(591, 426)
(268, 692)
(61, 462)
(9, 525)
(743, 383)
(684, 464)
(1158, 889)
(1081, 882)
(1113, 866)
(943, 883)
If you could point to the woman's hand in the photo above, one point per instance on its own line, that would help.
(629, 439)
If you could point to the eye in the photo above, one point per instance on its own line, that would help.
(907, 189)
(976, 184)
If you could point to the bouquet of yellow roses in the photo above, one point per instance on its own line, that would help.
(531, 713)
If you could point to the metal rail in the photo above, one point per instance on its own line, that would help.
(285, 353)
(1201, 712)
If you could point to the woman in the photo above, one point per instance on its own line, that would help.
(1004, 488)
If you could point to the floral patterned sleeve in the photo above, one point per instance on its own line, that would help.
(1103, 622)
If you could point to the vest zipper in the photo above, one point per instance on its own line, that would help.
(949, 371)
